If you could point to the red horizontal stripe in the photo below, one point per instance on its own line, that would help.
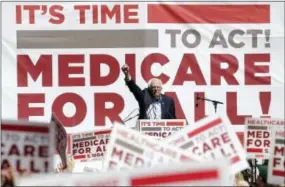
(24, 128)
(235, 159)
(79, 157)
(102, 132)
(278, 173)
(174, 123)
(254, 150)
(205, 127)
(162, 13)
(175, 177)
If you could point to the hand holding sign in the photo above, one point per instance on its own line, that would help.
(61, 140)
(69, 168)
(7, 177)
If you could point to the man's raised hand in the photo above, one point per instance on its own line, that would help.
(125, 69)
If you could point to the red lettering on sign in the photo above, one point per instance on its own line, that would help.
(189, 61)
(65, 70)
(24, 110)
(55, 11)
(251, 69)
(117, 153)
(218, 72)
(25, 66)
(77, 101)
(104, 13)
(278, 162)
(112, 165)
(95, 70)
(147, 63)
(279, 150)
(101, 112)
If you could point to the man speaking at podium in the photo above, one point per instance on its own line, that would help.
(152, 104)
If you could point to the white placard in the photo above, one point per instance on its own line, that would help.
(257, 137)
(129, 149)
(276, 165)
(212, 138)
(27, 147)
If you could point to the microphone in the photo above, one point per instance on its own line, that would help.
(215, 103)
(126, 118)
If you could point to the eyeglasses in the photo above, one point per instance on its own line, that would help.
(157, 87)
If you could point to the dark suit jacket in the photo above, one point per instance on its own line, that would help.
(145, 98)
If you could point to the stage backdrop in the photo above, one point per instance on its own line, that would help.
(66, 57)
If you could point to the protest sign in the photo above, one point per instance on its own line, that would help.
(258, 135)
(183, 174)
(276, 165)
(188, 173)
(90, 145)
(212, 138)
(27, 147)
(160, 128)
(130, 149)
(61, 139)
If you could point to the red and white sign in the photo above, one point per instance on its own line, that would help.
(129, 149)
(160, 129)
(276, 165)
(27, 147)
(212, 138)
(66, 56)
(188, 173)
(90, 145)
(258, 136)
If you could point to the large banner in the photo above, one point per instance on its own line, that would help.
(65, 57)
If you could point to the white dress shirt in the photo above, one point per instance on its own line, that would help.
(154, 110)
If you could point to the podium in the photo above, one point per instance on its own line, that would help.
(160, 129)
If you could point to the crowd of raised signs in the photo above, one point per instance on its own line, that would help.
(207, 153)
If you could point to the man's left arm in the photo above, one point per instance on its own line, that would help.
(172, 109)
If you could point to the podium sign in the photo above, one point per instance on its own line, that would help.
(160, 128)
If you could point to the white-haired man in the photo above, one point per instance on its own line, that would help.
(152, 103)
